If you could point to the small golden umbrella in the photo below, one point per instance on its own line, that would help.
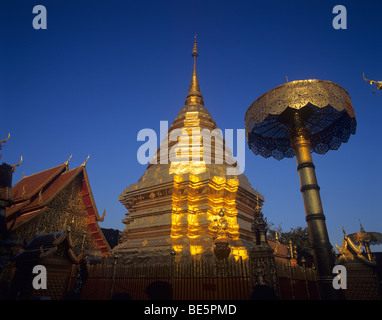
(367, 239)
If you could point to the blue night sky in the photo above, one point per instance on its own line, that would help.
(103, 70)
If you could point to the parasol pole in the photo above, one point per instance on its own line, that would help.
(315, 218)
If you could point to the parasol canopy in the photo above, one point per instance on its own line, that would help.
(324, 106)
(372, 238)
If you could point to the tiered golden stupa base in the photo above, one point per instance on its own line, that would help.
(177, 212)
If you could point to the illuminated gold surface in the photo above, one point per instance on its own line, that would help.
(297, 94)
(174, 203)
(194, 95)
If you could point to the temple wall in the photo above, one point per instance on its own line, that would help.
(66, 209)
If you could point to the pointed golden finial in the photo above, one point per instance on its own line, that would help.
(103, 216)
(85, 161)
(257, 207)
(377, 83)
(5, 140)
(67, 161)
(194, 95)
(362, 229)
(17, 164)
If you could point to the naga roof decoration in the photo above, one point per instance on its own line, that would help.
(349, 250)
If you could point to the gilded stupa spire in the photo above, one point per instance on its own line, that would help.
(194, 95)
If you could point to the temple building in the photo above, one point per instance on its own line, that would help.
(53, 201)
(363, 273)
(191, 193)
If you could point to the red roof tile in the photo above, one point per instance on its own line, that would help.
(28, 186)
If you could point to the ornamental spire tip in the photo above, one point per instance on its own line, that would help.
(194, 95)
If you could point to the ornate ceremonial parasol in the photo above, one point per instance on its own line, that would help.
(322, 108)
(295, 119)
(373, 238)
(367, 239)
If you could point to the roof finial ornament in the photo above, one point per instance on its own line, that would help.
(5, 140)
(67, 161)
(17, 164)
(362, 229)
(377, 83)
(85, 161)
(103, 216)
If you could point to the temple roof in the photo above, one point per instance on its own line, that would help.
(29, 186)
(279, 250)
(44, 245)
(32, 195)
(349, 251)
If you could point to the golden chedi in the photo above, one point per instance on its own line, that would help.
(175, 204)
